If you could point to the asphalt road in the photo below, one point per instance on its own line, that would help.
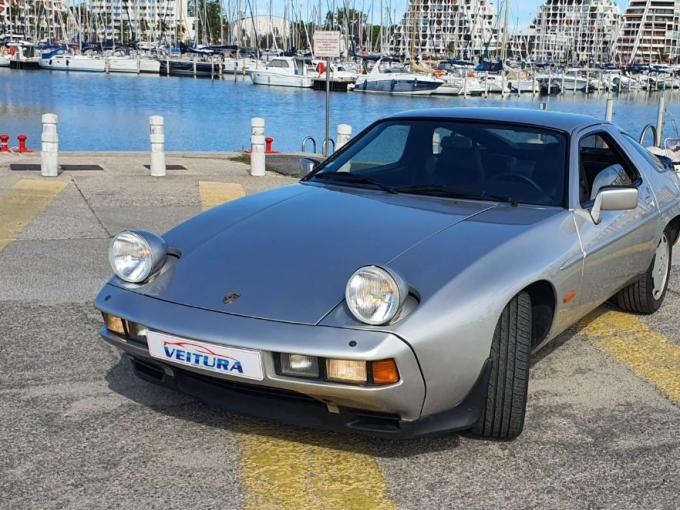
(80, 431)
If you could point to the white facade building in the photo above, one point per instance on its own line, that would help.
(144, 19)
(651, 32)
(243, 31)
(19, 18)
(464, 28)
(572, 31)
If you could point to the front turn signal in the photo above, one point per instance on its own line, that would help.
(384, 371)
(114, 324)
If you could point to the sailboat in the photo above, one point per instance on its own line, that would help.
(58, 60)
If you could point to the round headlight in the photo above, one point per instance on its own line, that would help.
(135, 255)
(374, 295)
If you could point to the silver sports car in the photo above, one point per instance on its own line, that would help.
(401, 286)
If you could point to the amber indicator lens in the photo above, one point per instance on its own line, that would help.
(114, 324)
(384, 372)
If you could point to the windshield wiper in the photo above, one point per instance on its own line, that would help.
(348, 177)
(450, 192)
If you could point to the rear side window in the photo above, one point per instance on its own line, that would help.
(651, 158)
(601, 163)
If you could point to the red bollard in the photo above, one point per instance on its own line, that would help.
(268, 148)
(22, 143)
(4, 143)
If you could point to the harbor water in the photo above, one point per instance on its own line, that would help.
(108, 112)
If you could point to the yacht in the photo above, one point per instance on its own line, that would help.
(22, 55)
(457, 85)
(395, 80)
(60, 61)
(283, 72)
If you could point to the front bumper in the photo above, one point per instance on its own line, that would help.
(392, 410)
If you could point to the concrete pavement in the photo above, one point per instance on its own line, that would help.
(80, 431)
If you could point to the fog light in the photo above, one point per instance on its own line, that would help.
(345, 370)
(384, 372)
(137, 331)
(299, 365)
(114, 324)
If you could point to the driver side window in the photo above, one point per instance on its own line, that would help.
(601, 164)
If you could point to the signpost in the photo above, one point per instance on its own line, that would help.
(327, 45)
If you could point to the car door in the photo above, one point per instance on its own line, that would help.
(621, 246)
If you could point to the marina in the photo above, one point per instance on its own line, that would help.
(108, 112)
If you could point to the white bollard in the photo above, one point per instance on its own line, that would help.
(157, 136)
(49, 152)
(609, 111)
(344, 134)
(257, 155)
(256, 126)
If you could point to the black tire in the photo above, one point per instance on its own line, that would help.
(503, 415)
(639, 296)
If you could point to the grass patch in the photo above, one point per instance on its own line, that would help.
(241, 158)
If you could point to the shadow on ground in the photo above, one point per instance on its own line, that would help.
(122, 380)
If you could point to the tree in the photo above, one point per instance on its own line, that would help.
(346, 19)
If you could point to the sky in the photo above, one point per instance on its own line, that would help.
(521, 13)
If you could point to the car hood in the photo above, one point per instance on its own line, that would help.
(287, 254)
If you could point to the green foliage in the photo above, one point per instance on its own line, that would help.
(345, 18)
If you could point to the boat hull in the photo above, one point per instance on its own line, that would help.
(264, 77)
(148, 65)
(123, 65)
(187, 68)
(89, 65)
(397, 87)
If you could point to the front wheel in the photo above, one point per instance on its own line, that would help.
(503, 414)
(646, 294)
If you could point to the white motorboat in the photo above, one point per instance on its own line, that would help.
(4, 61)
(282, 72)
(395, 80)
(66, 62)
(459, 86)
(571, 79)
(22, 55)
(339, 73)
(494, 83)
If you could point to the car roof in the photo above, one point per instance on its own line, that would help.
(569, 122)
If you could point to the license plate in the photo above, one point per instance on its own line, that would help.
(205, 356)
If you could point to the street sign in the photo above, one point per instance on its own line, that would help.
(327, 44)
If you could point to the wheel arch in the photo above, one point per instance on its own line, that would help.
(543, 305)
(674, 226)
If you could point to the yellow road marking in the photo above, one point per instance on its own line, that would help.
(22, 203)
(217, 193)
(649, 354)
(284, 468)
(296, 469)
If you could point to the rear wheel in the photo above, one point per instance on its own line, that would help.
(503, 415)
(647, 293)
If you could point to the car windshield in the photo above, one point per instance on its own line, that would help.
(472, 160)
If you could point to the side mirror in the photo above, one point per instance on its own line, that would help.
(614, 198)
(307, 165)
